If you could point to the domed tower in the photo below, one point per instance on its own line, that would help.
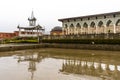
(32, 20)
(56, 31)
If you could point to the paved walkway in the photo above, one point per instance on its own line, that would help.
(5, 45)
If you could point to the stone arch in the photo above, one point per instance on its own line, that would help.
(92, 24)
(100, 28)
(78, 25)
(109, 22)
(117, 24)
(71, 29)
(100, 24)
(66, 25)
(71, 25)
(65, 30)
(85, 28)
(110, 27)
(78, 28)
(85, 25)
(92, 28)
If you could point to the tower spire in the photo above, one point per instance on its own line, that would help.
(32, 15)
(32, 20)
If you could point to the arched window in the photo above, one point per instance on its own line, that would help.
(78, 25)
(92, 24)
(100, 24)
(71, 25)
(109, 23)
(85, 25)
(118, 22)
(66, 25)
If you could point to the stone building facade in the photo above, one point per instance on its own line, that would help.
(92, 24)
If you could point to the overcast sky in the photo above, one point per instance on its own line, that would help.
(47, 12)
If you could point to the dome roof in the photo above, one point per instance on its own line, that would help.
(57, 28)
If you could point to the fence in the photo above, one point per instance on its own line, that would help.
(84, 36)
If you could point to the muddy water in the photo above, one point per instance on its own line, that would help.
(60, 64)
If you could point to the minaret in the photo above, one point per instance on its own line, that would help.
(32, 20)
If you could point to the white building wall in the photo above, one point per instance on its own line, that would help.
(96, 30)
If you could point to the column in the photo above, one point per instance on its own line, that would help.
(63, 31)
(88, 31)
(114, 28)
(81, 30)
(68, 31)
(75, 32)
(115, 74)
(107, 66)
(96, 30)
(116, 69)
(105, 29)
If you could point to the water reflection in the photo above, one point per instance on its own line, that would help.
(105, 68)
(60, 64)
(32, 59)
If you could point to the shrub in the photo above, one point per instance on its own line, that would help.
(83, 41)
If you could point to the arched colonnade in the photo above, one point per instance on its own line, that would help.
(87, 25)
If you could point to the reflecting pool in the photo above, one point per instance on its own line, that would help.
(60, 64)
